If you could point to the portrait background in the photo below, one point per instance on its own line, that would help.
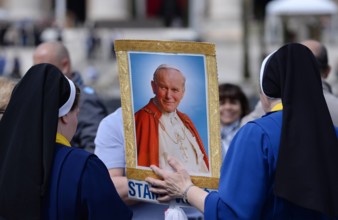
(194, 102)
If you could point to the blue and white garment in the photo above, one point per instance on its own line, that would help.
(227, 133)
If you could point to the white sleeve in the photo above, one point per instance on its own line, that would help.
(109, 141)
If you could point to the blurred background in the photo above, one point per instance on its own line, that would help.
(244, 31)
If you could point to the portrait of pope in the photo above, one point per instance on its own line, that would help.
(162, 130)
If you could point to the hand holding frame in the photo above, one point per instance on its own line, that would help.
(173, 184)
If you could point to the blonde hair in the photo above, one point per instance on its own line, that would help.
(6, 88)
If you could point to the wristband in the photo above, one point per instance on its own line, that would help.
(185, 193)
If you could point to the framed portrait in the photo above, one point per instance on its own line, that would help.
(170, 105)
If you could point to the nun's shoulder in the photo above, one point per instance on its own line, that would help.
(267, 123)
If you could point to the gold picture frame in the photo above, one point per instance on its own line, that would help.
(128, 53)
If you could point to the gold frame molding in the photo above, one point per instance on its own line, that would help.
(122, 47)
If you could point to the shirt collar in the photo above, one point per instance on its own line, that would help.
(277, 107)
(60, 139)
(233, 126)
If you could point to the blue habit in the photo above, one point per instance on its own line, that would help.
(81, 188)
(247, 177)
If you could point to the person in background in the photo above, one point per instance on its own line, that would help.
(6, 88)
(92, 110)
(16, 70)
(3, 62)
(41, 175)
(233, 106)
(109, 147)
(320, 52)
(257, 112)
(281, 166)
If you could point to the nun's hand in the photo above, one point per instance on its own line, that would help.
(173, 184)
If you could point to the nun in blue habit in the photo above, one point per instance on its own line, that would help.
(41, 175)
(281, 166)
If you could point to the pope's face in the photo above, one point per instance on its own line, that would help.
(168, 89)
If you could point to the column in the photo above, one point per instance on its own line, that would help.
(108, 10)
(27, 9)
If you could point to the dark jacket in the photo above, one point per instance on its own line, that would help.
(92, 111)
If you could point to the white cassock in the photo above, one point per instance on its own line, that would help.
(176, 140)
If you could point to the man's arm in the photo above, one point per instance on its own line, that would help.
(109, 148)
(121, 184)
